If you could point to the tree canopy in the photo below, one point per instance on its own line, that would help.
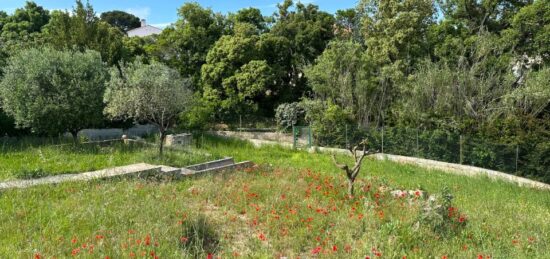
(53, 92)
(122, 20)
(152, 93)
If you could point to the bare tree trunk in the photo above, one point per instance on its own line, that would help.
(74, 133)
(350, 186)
(352, 173)
(162, 139)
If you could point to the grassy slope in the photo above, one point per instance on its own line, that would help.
(39, 160)
(503, 220)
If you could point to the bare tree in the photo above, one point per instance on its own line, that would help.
(358, 155)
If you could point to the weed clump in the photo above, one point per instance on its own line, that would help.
(199, 238)
(441, 216)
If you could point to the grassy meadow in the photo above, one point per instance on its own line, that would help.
(293, 204)
(33, 158)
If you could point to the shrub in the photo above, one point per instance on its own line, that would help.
(331, 124)
(289, 114)
(440, 216)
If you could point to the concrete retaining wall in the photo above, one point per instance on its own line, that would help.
(425, 163)
(269, 136)
(104, 134)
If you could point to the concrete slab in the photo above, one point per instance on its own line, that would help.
(141, 170)
(213, 164)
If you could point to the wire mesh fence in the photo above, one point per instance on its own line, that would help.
(527, 158)
(523, 159)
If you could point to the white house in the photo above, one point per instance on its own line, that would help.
(144, 31)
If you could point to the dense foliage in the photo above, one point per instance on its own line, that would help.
(53, 92)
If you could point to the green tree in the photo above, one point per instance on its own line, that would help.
(308, 31)
(23, 28)
(28, 19)
(122, 20)
(234, 75)
(250, 15)
(82, 30)
(348, 24)
(53, 92)
(481, 15)
(341, 76)
(530, 30)
(185, 46)
(148, 92)
(395, 33)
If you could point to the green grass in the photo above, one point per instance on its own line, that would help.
(292, 204)
(35, 159)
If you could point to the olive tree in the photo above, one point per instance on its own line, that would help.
(53, 92)
(152, 92)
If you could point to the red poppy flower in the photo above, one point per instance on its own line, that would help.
(37, 256)
(316, 250)
(262, 237)
(184, 239)
(334, 248)
(209, 256)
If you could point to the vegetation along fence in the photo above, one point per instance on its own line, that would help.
(530, 160)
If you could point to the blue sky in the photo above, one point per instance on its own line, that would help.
(163, 12)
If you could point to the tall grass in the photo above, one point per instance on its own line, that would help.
(292, 205)
(33, 157)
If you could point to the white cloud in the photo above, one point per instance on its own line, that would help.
(141, 12)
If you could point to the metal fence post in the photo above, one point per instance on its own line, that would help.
(347, 142)
(382, 139)
(417, 145)
(517, 157)
(461, 149)
(293, 137)
(310, 137)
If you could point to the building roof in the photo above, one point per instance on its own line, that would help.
(144, 31)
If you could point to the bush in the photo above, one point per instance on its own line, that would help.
(289, 114)
(331, 124)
